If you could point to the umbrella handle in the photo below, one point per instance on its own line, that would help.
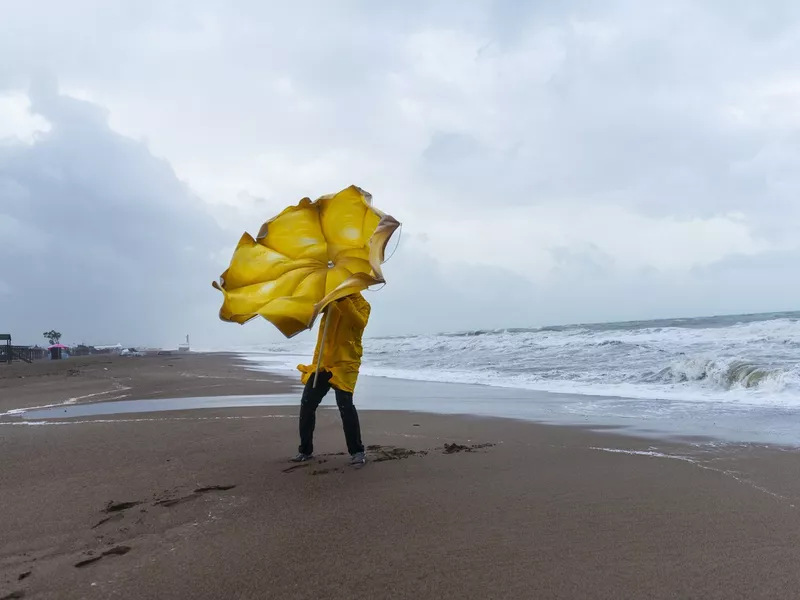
(321, 347)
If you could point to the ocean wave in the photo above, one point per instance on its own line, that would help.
(724, 374)
(740, 359)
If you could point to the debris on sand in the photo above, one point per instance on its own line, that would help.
(384, 453)
(118, 506)
(455, 448)
(115, 551)
(214, 488)
(173, 501)
(87, 561)
(115, 517)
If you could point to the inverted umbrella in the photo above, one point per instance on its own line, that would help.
(308, 256)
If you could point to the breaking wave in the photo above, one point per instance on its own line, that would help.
(746, 359)
(725, 375)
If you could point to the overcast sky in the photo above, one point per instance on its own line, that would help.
(551, 162)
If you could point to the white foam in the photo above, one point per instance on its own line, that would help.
(142, 420)
(697, 463)
(756, 363)
(650, 453)
(69, 401)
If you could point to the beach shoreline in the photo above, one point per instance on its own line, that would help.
(202, 503)
(216, 379)
(113, 377)
(656, 419)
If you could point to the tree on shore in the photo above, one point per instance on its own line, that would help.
(53, 336)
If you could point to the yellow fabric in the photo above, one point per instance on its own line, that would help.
(341, 348)
(305, 258)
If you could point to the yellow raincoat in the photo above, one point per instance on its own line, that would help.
(341, 355)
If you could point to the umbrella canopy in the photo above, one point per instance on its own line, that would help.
(308, 256)
(58, 346)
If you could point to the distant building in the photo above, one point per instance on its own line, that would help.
(114, 348)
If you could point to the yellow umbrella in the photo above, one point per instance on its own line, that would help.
(308, 256)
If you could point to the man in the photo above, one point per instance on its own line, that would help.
(341, 359)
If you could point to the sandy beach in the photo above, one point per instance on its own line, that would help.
(202, 503)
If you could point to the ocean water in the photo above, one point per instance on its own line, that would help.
(740, 359)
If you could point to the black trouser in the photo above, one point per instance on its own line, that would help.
(312, 396)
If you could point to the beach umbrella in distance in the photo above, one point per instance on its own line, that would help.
(308, 256)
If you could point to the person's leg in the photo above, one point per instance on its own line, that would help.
(312, 396)
(350, 424)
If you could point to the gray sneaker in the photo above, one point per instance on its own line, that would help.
(358, 459)
(301, 458)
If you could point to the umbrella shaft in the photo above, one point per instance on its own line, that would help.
(321, 348)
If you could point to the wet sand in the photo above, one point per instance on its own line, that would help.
(201, 504)
(104, 378)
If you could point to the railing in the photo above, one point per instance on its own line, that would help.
(23, 353)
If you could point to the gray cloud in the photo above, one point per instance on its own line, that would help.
(425, 296)
(552, 162)
(105, 242)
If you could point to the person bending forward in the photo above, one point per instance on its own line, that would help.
(341, 359)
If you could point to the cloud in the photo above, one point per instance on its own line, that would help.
(425, 295)
(550, 161)
(16, 121)
(525, 239)
(101, 239)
